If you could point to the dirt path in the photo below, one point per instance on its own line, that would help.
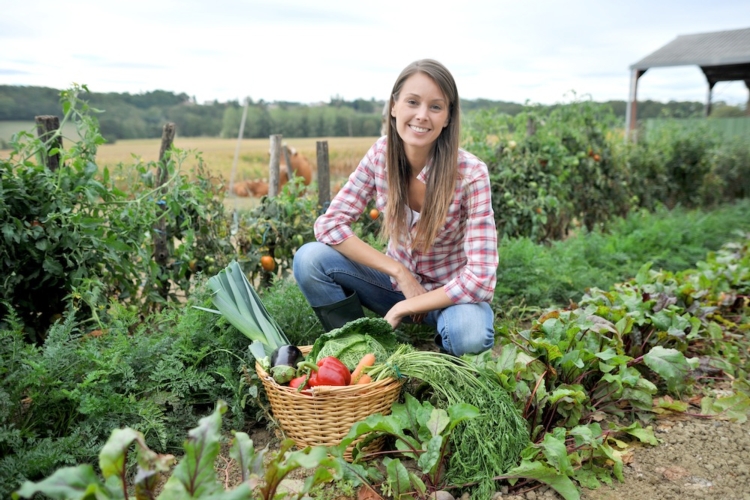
(697, 459)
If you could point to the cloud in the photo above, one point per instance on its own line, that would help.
(4, 71)
(296, 50)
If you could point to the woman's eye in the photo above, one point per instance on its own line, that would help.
(437, 107)
(411, 102)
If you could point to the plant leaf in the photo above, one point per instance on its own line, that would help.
(547, 475)
(670, 364)
(194, 475)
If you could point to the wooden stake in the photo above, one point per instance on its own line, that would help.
(273, 166)
(46, 127)
(324, 174)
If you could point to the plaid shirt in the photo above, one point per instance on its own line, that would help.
(463, 257)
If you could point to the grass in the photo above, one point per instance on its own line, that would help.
(542, 276)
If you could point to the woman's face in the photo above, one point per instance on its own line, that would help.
(421, 113)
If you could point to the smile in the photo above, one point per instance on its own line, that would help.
(419, 129)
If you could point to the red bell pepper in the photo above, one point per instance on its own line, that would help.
(328, 371)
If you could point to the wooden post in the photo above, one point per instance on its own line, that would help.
(46, 127)
(273, 166)
(709, 98)
(288, 160)
(631, 111)
(161, 249)
(324, 174)
(530, 127)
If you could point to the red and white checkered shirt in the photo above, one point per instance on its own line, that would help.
(463, 257)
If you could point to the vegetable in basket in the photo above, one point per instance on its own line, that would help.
(355, 339)
(236, 299)
(284, 363)
(366, 361)
(327, 371)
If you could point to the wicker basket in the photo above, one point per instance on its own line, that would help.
(323, 415)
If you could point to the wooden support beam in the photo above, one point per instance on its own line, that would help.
(161, 247)
(274, 165)
(46, 129)
(324, 174)
(631, 111)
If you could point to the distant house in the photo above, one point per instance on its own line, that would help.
(723, 56)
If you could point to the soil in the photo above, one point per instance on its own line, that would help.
(698, 458)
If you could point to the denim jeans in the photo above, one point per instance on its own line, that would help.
(325, 277)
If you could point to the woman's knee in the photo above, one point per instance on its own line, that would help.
(307, 259)
(467, 329)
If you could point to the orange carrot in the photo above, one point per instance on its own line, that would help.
(367, 360)
(364, 379)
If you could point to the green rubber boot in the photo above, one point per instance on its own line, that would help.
(339, 313)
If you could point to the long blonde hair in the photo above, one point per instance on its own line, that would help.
(441, 182)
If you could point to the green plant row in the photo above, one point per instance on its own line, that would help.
(559, 169)
(585, 377)
(555, 274)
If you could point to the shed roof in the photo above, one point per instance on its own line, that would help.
(719, 48)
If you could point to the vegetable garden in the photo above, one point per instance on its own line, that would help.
(623, 295)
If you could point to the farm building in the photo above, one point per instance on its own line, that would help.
(723, 56)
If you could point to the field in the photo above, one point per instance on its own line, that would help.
(8, 128)
(252, 163)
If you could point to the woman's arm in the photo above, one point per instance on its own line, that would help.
(418, 301)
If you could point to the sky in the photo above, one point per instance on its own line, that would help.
(536, 51)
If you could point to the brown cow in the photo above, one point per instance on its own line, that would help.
(300, 166)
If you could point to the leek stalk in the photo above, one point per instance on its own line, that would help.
(236, 299)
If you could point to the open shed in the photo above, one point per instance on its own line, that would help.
(723, 56)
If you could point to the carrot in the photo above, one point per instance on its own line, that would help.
(367, 360)
(364, 379)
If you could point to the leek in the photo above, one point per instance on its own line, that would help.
(236, 299)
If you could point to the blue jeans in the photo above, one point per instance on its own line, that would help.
(326, 277)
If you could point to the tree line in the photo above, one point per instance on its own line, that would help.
(135, 116)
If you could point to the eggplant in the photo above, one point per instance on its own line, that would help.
(284, 363)
(286, 355)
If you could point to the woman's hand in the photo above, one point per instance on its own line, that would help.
(410, 287)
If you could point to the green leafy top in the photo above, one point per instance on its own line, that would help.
(239, 303)
(355, 339)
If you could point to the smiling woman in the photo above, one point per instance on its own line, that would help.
(440, 264)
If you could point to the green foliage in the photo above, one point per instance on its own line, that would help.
(549, 167)
(277, 227)
(355, 339)
(559, 168)
(285, 303)
(422, 433)
(670, 163)
(61, 399)
(57, 235)
(558, 273)
(194, 476)
(585, 454)
(479, 452)
(607, 358)
(64, 232)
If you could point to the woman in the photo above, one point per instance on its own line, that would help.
(439, 266)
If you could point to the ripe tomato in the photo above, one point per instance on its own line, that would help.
(374, 213)
(597, 157)
(267, 263)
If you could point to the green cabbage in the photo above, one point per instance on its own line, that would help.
(355, 339)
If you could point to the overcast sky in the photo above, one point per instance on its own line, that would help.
(311, 50)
